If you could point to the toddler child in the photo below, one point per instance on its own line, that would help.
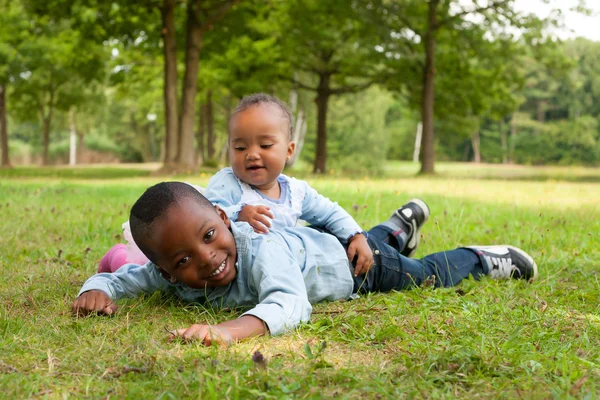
(200, 255)
(254, 190)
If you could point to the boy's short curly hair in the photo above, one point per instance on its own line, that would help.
(153, 204)
(264, 98)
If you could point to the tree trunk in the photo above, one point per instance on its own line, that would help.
(476, 142)
(503, 142)
(298, 136)
(513, 136)
(201, 133)
(72, 138)
(541, 110)
(190, 85)
(427, 112)
(170, 81)
(418, 141)
(210, 127)
(46, 123)
(228, 111)
(323, 93)
(3, 128)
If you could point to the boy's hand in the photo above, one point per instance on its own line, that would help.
(257, 217)
(93, 301)
(207, 334)
(359, 248)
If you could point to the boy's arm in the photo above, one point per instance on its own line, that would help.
(224, 190)
(101, 290)
(283, 303)
(226, 332)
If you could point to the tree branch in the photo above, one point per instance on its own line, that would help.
(490, 6)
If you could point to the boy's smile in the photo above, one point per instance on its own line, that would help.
(194, 245)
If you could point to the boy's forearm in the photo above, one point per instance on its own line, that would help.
(244, 327)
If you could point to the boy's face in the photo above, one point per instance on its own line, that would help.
(194, 245)
(259, 145)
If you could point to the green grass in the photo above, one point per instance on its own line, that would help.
(486, 339)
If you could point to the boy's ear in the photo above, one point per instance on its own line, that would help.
(223, 216)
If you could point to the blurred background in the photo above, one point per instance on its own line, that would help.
(155, 81)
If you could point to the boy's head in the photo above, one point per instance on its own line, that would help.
(187, 237)
(260, 139)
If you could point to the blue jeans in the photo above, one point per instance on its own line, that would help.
(393, 271)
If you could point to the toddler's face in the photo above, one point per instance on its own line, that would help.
(194, 245)
(259, 145)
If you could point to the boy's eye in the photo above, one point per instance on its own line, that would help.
(266, 146)
(182, 262)
(239, 148)
(209, 235)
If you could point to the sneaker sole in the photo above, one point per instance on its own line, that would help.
(417, 229)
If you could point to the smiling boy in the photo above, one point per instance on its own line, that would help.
(198, 254)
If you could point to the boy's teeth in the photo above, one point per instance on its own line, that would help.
(219, 270)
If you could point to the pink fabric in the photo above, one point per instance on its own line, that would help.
(115, 258)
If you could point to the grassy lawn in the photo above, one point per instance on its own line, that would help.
(486, 339)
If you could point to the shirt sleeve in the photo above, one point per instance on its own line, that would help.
(130, 280)
(224, 190)
(277, 279)
(320, 211)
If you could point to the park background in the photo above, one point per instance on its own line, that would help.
(99, 100)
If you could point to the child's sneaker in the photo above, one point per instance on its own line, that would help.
(414, 214)
(507, 262)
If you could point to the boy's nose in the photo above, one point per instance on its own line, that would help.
(206, 257)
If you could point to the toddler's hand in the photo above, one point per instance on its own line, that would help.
(93, 301)
(257, 217)
(359, 248)
(207, 334)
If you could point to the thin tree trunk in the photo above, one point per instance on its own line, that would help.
(476, 142)
(428, 154)
(201, 134)
(190, 85)
(418, 140)
(228, 111)
(210, 126)
(541, 110)
(72, 138)
(323, 93)
(513, 136)
(503, 142)
(170, 81)
(46, 123)
(3, 128)
(298, 136)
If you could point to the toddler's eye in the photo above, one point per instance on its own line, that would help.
(266, 146)
(182, 261)
(239, 148)
(209, 235)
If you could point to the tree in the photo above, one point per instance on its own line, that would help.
(415, 34)
(13, 35)
(329, 50)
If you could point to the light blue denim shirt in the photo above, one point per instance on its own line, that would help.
(280, 273)
(298, 200)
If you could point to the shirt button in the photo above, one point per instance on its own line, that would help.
(376, 251)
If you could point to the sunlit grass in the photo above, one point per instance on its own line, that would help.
(490, 339)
